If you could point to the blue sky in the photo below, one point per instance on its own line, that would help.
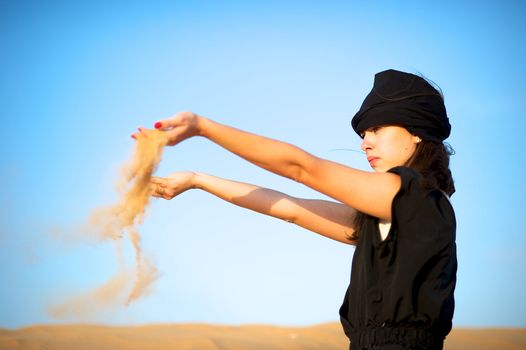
(78, 78)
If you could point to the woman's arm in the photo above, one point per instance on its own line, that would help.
(330, 219)
(371, 193)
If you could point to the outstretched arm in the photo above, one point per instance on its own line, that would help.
(330, 219)
(371, 193)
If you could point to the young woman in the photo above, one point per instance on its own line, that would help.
(399, 216)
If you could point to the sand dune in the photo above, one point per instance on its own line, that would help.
(215, 337)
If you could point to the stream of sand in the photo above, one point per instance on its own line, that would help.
(117, 223)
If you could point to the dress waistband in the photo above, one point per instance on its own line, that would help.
(406, 336)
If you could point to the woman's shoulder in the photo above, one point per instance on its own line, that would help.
(412, 181)
(405, 172)
(416, 194)
(415, 181)
(424, 213)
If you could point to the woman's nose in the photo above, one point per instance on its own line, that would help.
(366, 144)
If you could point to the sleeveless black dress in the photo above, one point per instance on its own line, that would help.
(401, 289)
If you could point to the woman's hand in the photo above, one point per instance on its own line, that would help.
(180, 127)
(172, 185)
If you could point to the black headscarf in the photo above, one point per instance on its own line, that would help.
(407, 100)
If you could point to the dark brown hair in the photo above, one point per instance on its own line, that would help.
(431, 159)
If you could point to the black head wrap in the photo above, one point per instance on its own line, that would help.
(407, 100)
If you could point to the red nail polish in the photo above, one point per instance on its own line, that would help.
(133, 136)
(158, 125)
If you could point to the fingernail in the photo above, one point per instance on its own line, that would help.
(158, 125)
(133, 136)
(140, 129)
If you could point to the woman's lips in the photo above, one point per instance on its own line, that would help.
(372, 160)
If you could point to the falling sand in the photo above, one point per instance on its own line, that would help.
(116, 222)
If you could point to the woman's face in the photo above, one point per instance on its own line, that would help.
(388, 146)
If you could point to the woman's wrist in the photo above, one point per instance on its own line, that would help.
(204, 182)
(196, 181)
(202, 125)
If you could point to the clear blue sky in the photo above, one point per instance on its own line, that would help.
(78, 78)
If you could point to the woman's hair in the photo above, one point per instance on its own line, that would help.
(431, 160)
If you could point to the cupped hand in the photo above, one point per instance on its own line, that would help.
(181, 126)
(172, 185)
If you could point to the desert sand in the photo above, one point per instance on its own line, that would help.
(218, 337)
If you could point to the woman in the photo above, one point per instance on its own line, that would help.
(399, 216)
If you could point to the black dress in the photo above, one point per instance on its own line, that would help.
(401, 289)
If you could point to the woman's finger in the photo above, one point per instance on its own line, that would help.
(153, 190)
(177, 120)
(159, 187)
(158, 180)
(165, 124)
(159, 190)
